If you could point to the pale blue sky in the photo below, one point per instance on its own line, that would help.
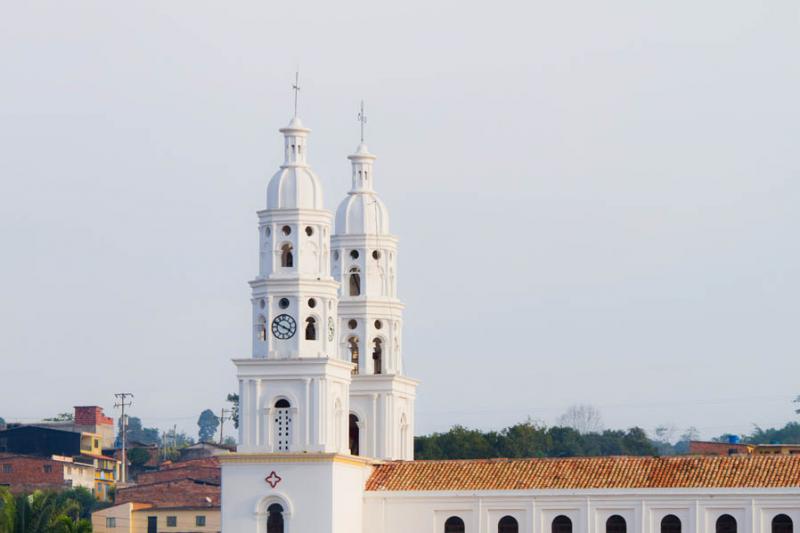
(597, 201)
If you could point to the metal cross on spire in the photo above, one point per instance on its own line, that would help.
(296, 88)
(362, 118)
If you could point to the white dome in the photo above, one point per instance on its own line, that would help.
(294, 187)
(362, 213)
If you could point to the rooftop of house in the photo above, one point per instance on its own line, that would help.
(184, 492)
(722, 471)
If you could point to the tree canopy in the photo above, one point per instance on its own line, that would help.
(208, 424)
(136, 433)
(788, 434)
(528, 439)
(46, 511)
(234, 399)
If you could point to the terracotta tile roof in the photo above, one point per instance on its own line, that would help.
(173, 493)
(203, 461)
(745, 471)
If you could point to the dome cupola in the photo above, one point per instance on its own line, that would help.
(362, 212)
(294, 186)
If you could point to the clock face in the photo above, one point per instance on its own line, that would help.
(330, 328)
(284, 327)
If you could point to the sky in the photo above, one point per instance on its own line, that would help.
(597, 202)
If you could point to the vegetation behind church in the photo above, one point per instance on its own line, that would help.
(528, 439)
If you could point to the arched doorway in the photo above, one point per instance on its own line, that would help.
(275, 518)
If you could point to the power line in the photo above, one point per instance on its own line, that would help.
(224, 414)
(124, 399)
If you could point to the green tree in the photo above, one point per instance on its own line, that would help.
(523, 440)
(137, 433)
(208, 423)
(531, 440)
(138, 457)
(40, 512)
(64, 524)
(788, 434)
(86, 501)
(2, 421)
(8, 511)
(234, 399)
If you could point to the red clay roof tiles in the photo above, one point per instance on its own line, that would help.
(764, 471)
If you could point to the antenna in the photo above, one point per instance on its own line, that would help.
(362, 118)
(296, 88)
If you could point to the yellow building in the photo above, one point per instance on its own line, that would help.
(777, 449)
(107, 469)
(147, 518)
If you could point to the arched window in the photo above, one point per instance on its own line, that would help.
(352, 346)
(311, 329)
(616, 524)
(562, 524)
(275, 518)
(782, 524)
(354, 434)
(454, 525)
(282, 425)
(670, 524)
(508, 524)
(726, 524)
(262, 328)
(287, 258)
(355, 282)
(377, 355)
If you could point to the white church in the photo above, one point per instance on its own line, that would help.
(327, 413)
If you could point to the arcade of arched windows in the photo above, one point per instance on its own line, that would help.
(780, 523)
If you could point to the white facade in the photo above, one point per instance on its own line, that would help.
(325, 403)
(306, 409)
(589, 510)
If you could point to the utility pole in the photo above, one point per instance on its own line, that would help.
(223, 415)
(124, 399)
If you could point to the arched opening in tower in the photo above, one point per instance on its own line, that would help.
(354, 435)
(377, 356)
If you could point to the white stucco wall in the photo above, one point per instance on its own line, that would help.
(320, 493)
(698, 510)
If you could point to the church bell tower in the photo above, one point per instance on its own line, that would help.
(323, 392)
(294, 391)
(364, 262)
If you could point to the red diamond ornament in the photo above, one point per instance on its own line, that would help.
(273, 479)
